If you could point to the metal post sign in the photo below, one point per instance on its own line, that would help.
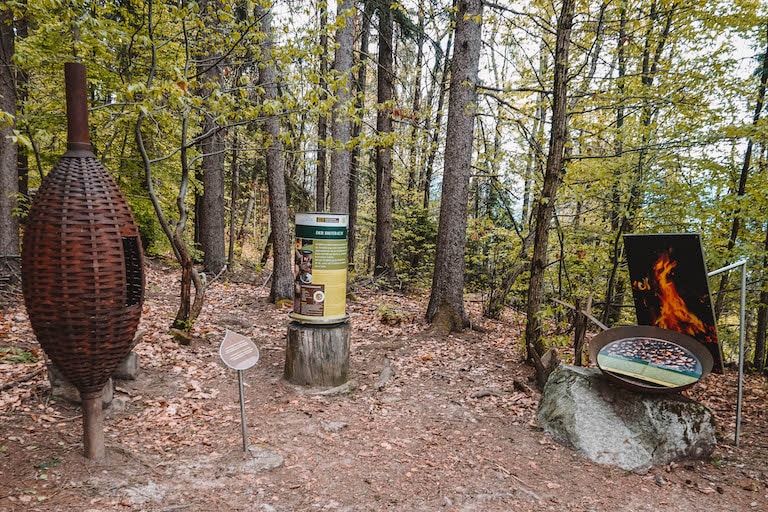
(239, 353)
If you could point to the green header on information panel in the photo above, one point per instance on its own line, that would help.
(321, 232)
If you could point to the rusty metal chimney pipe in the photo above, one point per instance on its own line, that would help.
(78, 137)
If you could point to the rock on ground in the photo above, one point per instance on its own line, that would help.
(611, 425)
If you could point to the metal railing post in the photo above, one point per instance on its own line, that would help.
(742, 332)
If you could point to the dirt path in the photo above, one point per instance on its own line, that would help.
(454, 429)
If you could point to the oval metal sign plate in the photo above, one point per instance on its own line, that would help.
(238, 352)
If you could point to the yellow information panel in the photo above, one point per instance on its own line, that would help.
(320, 268)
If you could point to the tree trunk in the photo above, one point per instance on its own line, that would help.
(22, 94)
(497, 297)
(354, 171)
(742, 186)
(623, 216)
(212, 222)
(235, 198)
(187, 313)
(762, 313)
(9, 174)
(446, 304)
(413, 168)
(282, 272)
(249, 207)
(614, 286)
(342, 65)
(322, 121)
(535, 152)
(189, 309)
(317, 355)
(384, 265)
(553, 176)
(432, 147)
(580, 330)
(267, 250)
(197, 219)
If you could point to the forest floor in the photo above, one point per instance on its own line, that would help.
(454, 429)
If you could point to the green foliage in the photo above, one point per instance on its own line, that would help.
(152, 237)
(17, 355)
(22, 206)
(414, 237)
(52, 463)
(671, 164)
(488, 248)
(392, 314)
(183, 326)
(492, 251)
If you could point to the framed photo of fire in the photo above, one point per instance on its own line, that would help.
(671, 289)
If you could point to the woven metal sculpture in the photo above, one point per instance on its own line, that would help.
(82, 267)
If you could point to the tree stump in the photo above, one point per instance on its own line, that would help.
(317, 355)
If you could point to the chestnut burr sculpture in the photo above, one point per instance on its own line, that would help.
(82, 267)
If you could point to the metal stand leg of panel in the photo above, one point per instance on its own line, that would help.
(242, 410)
(742, 329)
(742, 332)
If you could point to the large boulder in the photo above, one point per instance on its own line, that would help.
(607, 424)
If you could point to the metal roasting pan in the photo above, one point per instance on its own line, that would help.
(646, 331)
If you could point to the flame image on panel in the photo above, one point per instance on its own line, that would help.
(670, 287)
(82, 267)
(673, 312)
